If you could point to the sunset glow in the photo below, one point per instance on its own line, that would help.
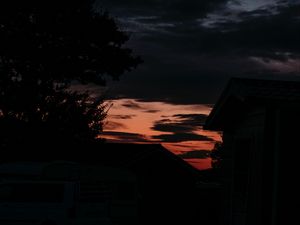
(176, 127)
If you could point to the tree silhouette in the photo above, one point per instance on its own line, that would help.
(45, 45)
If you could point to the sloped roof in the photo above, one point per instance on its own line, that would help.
(240, 90)
(131, 156)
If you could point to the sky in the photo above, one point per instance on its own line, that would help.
(190, 49)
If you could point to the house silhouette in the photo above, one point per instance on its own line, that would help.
(170, 191)
(260, 124)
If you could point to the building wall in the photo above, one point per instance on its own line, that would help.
(262, 147)
(286, 196)
(244, 143)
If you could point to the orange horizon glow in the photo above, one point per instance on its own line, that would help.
(200, 164)
(131, 121)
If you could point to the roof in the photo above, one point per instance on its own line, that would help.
(136, 157)
(22, 168)
(60, 170)
(240, 91)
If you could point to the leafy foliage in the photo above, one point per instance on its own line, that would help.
(45, 45)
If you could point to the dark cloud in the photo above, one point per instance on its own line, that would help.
(126, 137)
(196, 120)
(180, 123)
(167, 8)
(210, 105)
(196, 154)
(110, 125)
(152, 111)
(180, 137)
(159, 85)
(191, 48)
(172, 127)
(132, 105)
(258, 33)
(182, 128)
(122, 117)
(188, 57)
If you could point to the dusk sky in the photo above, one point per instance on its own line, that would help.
(190, 50)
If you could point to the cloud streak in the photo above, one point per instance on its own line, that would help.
(122, 117)
(180, 128)
(125, 137)
(181, 137)
(180, 123)
(195, 154)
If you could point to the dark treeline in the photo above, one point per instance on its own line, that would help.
(46, 45)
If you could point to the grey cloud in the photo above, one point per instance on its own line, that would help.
(200, 82)
(189, 63)
(256, 33)
(265, 31)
